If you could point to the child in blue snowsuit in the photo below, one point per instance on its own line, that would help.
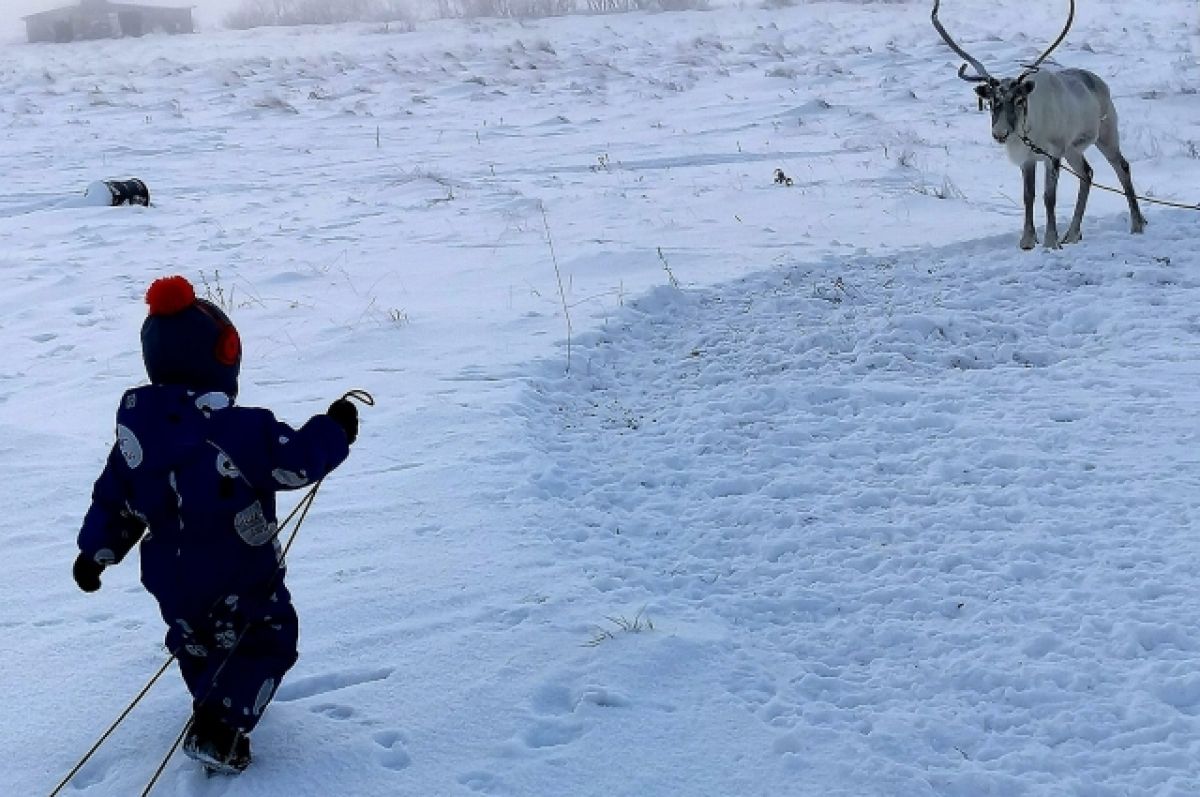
(193, 477)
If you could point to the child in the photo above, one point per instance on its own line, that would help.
(194, 478)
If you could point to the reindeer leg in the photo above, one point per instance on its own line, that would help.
(1137, 222)
(1052, 171)
(1084, 170)
(1029, 176)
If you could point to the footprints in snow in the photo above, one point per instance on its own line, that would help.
(388, 747)
(563, 715)
(334, 711)
(556, 724)
(481, 782)
(551, 733)
(391, 753)
(571, 715)
(101, 618)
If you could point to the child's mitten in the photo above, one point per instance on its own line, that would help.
(87, 573)
(346, 414)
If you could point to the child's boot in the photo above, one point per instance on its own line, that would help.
(218, 746)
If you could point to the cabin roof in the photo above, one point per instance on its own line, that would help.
(96, 5)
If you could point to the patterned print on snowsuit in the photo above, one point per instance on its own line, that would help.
(194, 478)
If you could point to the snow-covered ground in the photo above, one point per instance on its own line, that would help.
(842, 493)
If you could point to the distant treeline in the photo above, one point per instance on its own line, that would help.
(260, 13)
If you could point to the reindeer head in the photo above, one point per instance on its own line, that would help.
(1008, 98)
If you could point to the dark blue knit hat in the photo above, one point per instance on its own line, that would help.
(189, 341)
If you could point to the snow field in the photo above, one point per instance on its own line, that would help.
(916, 492)
(907, 509)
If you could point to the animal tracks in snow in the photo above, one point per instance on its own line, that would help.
(391, 751)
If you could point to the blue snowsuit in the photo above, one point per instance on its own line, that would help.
(194, 478)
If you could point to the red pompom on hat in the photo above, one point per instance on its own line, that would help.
(189, 341)
(170, 295)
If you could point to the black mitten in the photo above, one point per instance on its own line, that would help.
(87, 573)
(346, 414)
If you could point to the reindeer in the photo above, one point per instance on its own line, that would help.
(1057, 114)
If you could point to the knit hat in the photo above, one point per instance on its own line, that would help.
(189, 341)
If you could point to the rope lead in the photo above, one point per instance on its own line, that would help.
(112, 727)
(360, 395)
(1151, 200)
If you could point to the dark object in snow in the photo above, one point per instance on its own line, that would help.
(781, 178)
(220, 748)
(346, 414)
(86, 573)
(118, 192)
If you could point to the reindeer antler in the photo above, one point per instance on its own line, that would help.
(981, 73)
(1036, 64)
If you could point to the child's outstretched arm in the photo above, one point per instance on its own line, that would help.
(109, 529)
(302, 456)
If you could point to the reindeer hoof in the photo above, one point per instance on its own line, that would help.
(1072, 237)
(1029, 242)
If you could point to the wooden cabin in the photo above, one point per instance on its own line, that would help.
(102, 19)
